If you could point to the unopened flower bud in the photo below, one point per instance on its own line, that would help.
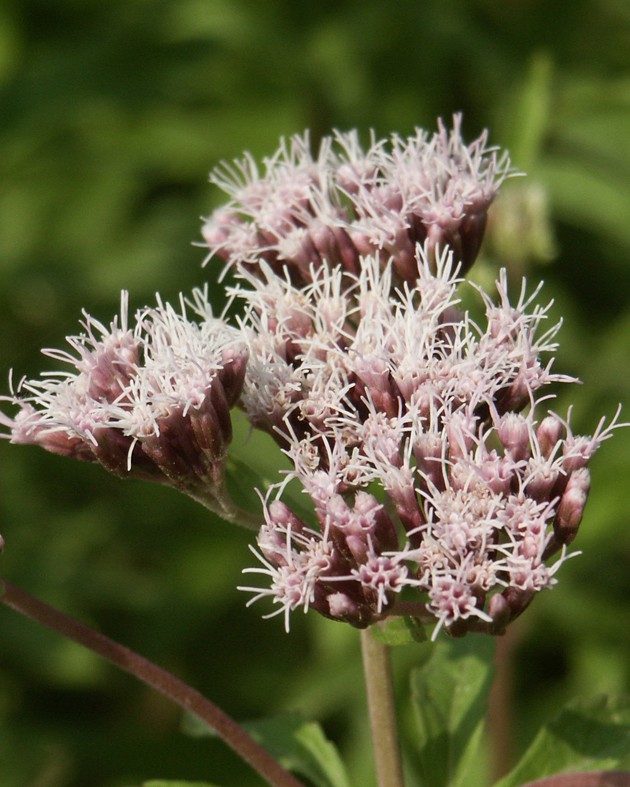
(461, 430)
(499, 611)
(382, 531)
(471, 232)
(232, 372)
(548, 434)
(513, 432)
(517, 600)
(281, 525)
(428, 450)
(283, 517)
(344, 607)
(571, 507)
(577, 451)
(377, 382)
(498, 472)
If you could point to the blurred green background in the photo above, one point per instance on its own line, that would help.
(111, 115)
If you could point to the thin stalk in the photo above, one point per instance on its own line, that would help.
(214, 496)
(176, 690)
(229, 512)
(501, 716)
(380, 694)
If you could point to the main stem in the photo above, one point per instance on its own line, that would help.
(176, 690)
(380, 694)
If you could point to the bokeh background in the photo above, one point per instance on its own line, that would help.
(111, 116)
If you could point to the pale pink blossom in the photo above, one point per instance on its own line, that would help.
(150, 400)
(418, 435)
(438, 483)
(303, 210)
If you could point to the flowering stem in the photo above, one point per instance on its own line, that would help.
(378, 679)
(227, 510)
(239, 516)
(215, 497)
(176, 690)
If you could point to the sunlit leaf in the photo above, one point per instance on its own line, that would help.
(449, 697)
(587, 735)
(298, 744)
(399, 631)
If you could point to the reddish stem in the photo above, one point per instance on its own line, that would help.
(176, 690)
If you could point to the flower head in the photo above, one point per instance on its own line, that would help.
(150, 401)
(438, 484)
(345, 202)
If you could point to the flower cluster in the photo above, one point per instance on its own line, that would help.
(347, 202)
(415, 432)
(150, 401)
(438, 486)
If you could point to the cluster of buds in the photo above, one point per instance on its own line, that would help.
(437, 486)
(150, 401)
(414, 431)
(346, 203)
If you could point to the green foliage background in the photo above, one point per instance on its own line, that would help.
(111, 114)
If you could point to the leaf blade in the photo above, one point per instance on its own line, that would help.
(449, 695)
(587, 735)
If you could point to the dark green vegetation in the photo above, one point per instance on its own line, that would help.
(111, 114)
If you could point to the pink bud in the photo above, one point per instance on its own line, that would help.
(571, 508)
(427, 449)
(281, 516)
(499, 611)
(548, 434)
(513, 432)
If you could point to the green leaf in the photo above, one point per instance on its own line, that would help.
(594, 197)
(449, 694)
(399, 631)
(587, 735)
(301, 746)
(254, 462)
(298, 745)
(525, 117)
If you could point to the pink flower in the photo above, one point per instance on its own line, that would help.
(439, 485)
(345, 202)
(150, 401)
(417, 434)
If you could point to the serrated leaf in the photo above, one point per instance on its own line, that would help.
(586, 736)
(399, 631)
(299, 745)
(449, 694)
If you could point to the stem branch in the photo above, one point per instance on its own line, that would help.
(380, 694)
(176, 690)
